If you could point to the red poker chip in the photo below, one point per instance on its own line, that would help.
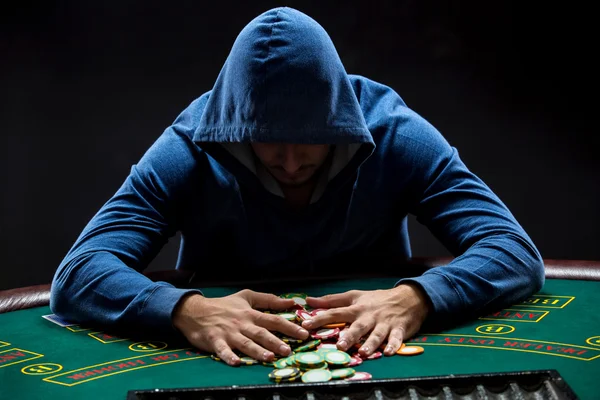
(316, 311)
(303, 315)
(373, 356)
(327, 345)
(360, 376)
(325, 334)
(354, 361)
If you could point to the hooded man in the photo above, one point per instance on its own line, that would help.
(289, 161)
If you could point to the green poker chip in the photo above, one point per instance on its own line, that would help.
(285, 374)
(308, 346)
(337, 358)
(280, 364)
(309, 359)
(316, 375)
(291, 361)
(342, 373)
(288, 315)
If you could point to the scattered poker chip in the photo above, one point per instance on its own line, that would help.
(360, 376)
(288, 315)
(323, 365)
(410, 350)
(308, 346)
(285, 374)
(248, 361)
(303, 315)
(299, 298)
(309, 359)
(280, 364)
(317, 311)
(374, 356)
(291, 340)
(342, 373)
(291, 361)
(336, 325)
(327, 345)
(337, 358)
(354, 361)
(316, 375)
(325, 334)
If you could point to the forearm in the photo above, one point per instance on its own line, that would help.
(98, 288)
(495, 272)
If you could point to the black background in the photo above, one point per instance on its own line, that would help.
(86, 87)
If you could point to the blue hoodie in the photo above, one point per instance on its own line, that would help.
(283, 81)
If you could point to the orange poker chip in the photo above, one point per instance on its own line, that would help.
(410, 350)
(337, 325)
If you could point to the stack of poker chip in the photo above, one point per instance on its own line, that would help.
(317, 358)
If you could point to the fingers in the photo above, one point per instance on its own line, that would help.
(276, 323)
(394, 341)
(266, 300)
(374, 340)
(331, 316)
(357, 330)
(333, 300)
(224, 352)
(267, 340)
(247, 346)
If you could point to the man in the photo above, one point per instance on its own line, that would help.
(289, 161)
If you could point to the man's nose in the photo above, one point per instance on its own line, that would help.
(291, 161)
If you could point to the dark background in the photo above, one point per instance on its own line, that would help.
(86, 87)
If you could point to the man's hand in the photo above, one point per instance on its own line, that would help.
(221, 325)
(393, 315)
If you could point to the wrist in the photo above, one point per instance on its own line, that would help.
(421, 304)
(185, 309)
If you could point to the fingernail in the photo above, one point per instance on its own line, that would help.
(365, 349)
(266, 355)
(388, 349)
(302, 332)
(283, 349)
(308, 323)
(233, 360)
(343, 344)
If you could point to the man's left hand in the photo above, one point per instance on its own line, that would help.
(392, 315)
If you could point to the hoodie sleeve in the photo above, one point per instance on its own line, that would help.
(100, 281)
(496, 263)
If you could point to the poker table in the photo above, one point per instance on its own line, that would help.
(556, 329)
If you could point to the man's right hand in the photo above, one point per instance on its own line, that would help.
(221, 325)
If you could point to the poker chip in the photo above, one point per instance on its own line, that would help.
(317, 311)
(303, 315)
(215, 357)
(360, 376)
(309, 359)
(337, 358)
(374, 356)
(325, 334)
(291, 361)
(248, 361)
(280, 364)
(337, 325)
(291, 340)
(323, 365)
(327, 346)
(308, 346)
(410, 350)
(285, 374)
(288, 315)
(354, 361)
(342, 373)
(316, 375)
(299, 298)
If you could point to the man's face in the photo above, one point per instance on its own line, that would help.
(291, 164)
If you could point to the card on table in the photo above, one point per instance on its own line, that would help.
(58, 320)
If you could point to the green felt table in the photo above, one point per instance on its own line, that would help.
(559, 328)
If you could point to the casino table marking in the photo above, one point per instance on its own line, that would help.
(496, 332)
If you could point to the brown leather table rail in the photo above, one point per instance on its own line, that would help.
(39, 295)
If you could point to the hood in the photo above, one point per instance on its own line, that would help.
(283, 82)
